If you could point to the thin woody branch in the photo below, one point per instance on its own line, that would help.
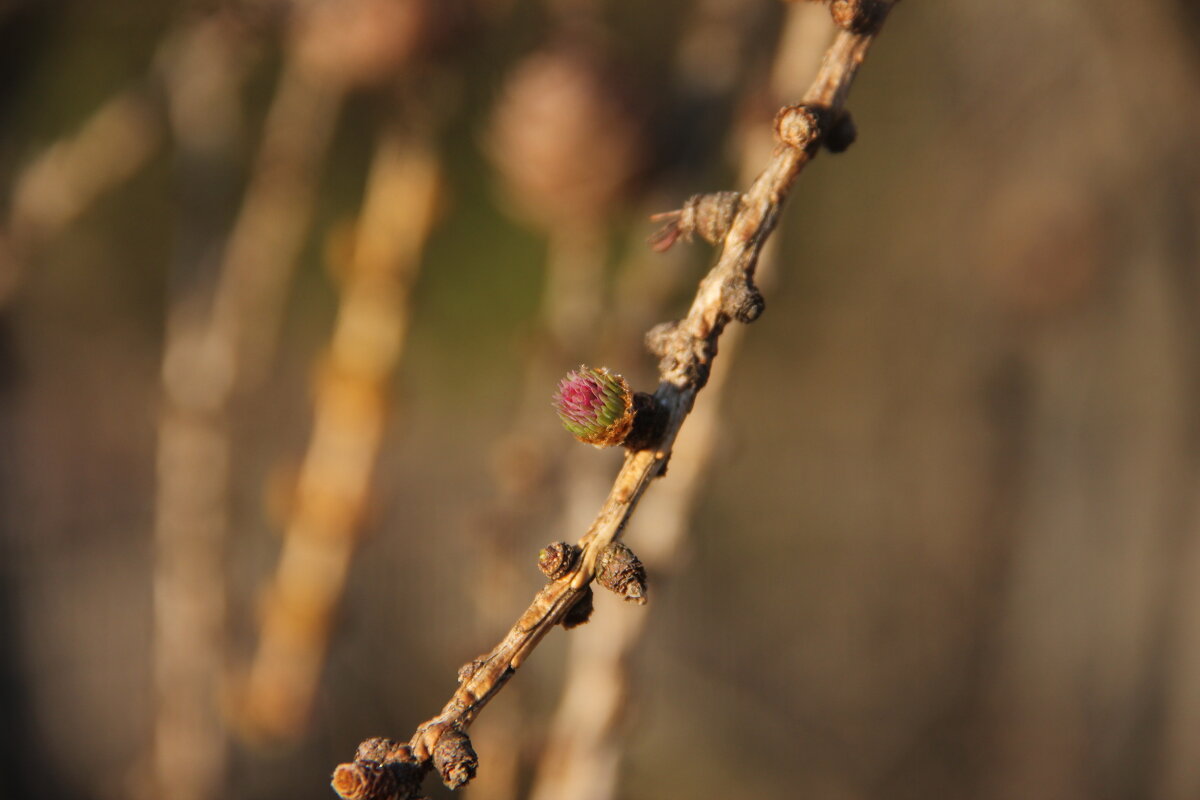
(686, 349)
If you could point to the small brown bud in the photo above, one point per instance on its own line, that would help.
(620, 571)
(557, 559)
(375, 749)
(364, 780)
(799, 126)
(842, 134)
(581, 612)
(857, 16)
(455, 759)
(745, 303)
(709, 215)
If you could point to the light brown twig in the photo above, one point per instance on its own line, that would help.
(686, 349)
(581, 757)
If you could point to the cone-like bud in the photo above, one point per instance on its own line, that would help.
(595, 405)
(709, 215)
(455, 759)
(556, 559)
(363, 780)
(620, 571)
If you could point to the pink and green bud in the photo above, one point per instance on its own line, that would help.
(595, 405)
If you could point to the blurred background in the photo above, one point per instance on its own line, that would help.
(285, 287)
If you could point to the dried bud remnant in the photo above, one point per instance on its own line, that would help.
(581, 612)
(620, 571)
(364, 780)
(380, 749)
(557, 559)
(743, 301)
(595, 406)
(857, 16)
(709, 215)
(455, 759)
(799, 126)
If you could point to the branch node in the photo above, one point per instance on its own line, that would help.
(650, 419)
(382, 769)
(801, 126)
(455, 759)
(581, 612)
(709, 215)
(468, 670)
(557, 559)
(661, 338)
(743, 301)
(620, 571)
(857, 16)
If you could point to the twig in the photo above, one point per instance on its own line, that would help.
(581, 757)
(384, 769)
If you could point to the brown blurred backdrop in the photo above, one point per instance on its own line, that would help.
(948, 544)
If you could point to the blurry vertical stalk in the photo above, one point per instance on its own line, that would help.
(351, 401)
(65, 179)
(274, 217)
(216, 328)
(202, 84)
(581, 759)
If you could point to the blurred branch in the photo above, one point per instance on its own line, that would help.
(334, 482)
(205, 349)
(271, 225)
(67, 177)
(201, 79)
(386, 769)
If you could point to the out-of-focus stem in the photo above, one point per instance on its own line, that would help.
(271, 225)
(351, 403)
(202, 81)
(210, 335)
(67, 177)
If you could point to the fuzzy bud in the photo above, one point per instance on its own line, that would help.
(595, 406)
(709, 215)
(620, 571)
(557, 559)
(382, 749)
(455, 759)
(800, 126)
(581, 612)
